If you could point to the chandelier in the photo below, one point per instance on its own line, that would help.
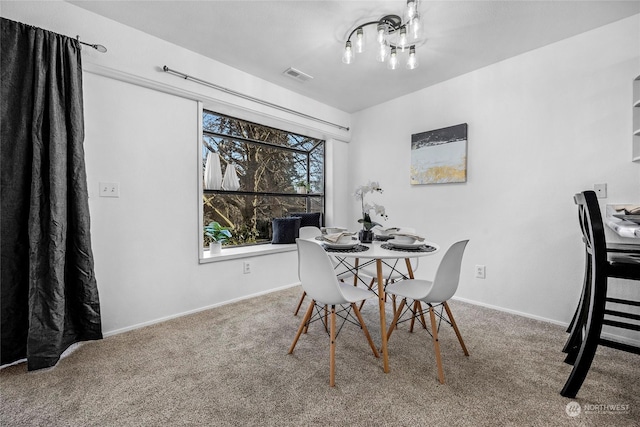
(393, 35)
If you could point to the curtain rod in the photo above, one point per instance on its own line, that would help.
(250, 98)
(100, 48)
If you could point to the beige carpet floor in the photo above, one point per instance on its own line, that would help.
(229, 367)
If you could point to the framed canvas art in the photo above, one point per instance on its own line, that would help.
(439, 156)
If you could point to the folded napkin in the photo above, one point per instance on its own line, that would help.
(628, 209)
(333, 238)
(415, 236)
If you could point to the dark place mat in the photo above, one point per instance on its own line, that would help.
(422, 248)
(357, 248)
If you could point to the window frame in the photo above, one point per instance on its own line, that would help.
(259, 248)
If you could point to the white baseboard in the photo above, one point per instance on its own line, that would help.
(197, 310)
(508, 310)
(618, 338)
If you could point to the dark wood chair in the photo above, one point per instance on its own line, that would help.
(602, 262)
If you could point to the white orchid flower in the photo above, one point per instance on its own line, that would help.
(367, 208)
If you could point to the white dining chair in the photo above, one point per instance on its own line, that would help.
(320, 283)
(434, 294)
(309, 232)
(340, 270)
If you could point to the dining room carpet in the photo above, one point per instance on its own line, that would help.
(229, 366)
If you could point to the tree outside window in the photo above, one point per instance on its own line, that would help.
(270, 163)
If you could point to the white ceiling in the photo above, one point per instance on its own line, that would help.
(264, 38)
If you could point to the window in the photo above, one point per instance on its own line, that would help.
(269, 164)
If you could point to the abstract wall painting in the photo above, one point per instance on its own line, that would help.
(439, 156)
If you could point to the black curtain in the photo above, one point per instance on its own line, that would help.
(48, 290)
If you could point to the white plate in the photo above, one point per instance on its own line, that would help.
(341, 245)
(413, 245)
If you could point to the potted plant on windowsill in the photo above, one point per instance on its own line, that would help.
(302, 187)
(217, 235)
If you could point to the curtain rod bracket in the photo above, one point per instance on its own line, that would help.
(97, 47)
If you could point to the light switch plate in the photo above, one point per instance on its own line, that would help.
(109, 189)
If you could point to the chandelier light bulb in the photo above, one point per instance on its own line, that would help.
(412, 62)
(393, 60)
(402, 39)
(380, 36)
(415, 27)
(411, 8)
(347, 56)
(383, 51)
(360, 40)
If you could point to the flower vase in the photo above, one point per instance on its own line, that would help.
(215, 248)
(365, 236)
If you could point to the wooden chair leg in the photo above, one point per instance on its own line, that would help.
(576, 331)
(436, 344)
(583, 360)
(394, 322)
(455, 328)
(585, 285)
(417, 308)
(413, 319)
(424, 322)
(597, 300)
(326, 317)
(332, 349)
(364, 329)
(304, 294)
(303, 326)
(395, 305)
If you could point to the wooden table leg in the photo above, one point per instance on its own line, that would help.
(355, 276)
(383, 320)
(409, 269)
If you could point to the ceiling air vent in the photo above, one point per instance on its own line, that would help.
(297, 75)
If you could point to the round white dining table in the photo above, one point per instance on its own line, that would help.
(375, 252)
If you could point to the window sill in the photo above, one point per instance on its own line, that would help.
(245, 252)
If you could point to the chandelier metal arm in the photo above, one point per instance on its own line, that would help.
(393, 22)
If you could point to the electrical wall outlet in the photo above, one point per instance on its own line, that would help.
(246, 267)
(481, 271)
(109, 189)
(601, 190)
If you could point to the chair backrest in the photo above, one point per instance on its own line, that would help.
(309, 232)
(317, 274)
(592, 228)
(447, 276)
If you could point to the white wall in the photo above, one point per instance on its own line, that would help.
(542, 126)
(146, 242)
